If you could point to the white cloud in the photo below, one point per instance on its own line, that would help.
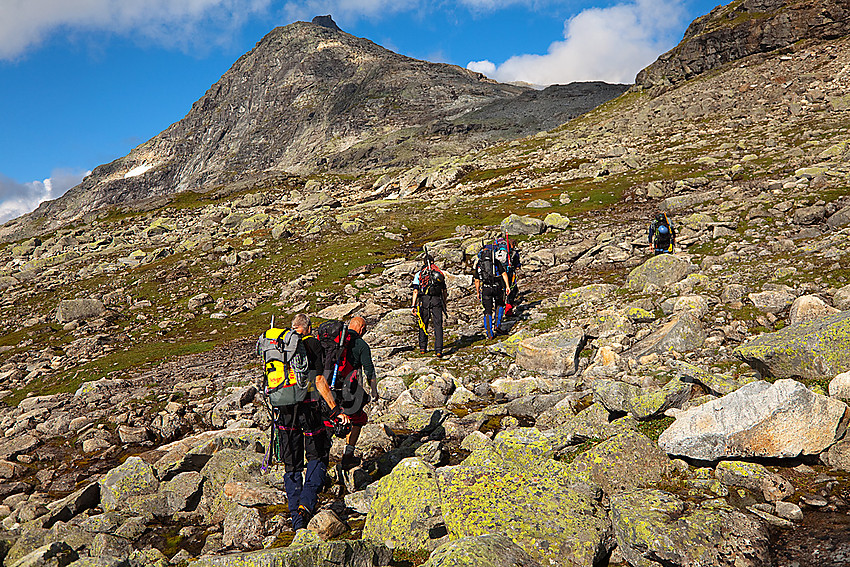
(605, 44)
(26, 23)
(17, 199)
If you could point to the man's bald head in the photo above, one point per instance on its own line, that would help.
(358, 325)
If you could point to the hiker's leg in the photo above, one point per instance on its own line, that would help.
(423, 338)
(437, 312)
(292, 455)
(488, 302)
(316, 449)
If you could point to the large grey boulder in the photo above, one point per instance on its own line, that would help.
(57, 554)
(841, 298)
(781, 420)
(808, 308)
(345, 553)
(74, 309)
(132, 478)
(772, 301)
(683, 333)
(624, 462)
(516, 225)
(839, 219)
(716, 384)
(552, 354)
(659, 271)
(808, 350)
(492, 550)
(528, 498)
(406, 508)
(754, 477)
(656, 529)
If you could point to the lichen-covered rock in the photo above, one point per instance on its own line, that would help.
(655, 529)
(56, 554)
(659, 271)
(683, 333)
(490, 550)
(133, 477)
(516, 225)
(585, 294)
(192, 453)
(653, 404)
(782, 420)
(523, 446)
(346, 553)
(553, 354)
(590, 423)
(406, 508)
(808, 350)
(227, 465)
(716, 384)
(615, 395)
(624, 462)
(242, 527)
(754, 477)
(838, 456)
(553, 523)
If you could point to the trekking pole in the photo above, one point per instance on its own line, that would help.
(342, 344)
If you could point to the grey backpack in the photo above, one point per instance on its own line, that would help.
(286, 369)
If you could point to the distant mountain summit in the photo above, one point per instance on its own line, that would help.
(743, 28)
(311, 98)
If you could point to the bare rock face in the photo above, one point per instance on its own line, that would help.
(740, 29)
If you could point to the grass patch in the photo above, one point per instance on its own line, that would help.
(655, 427)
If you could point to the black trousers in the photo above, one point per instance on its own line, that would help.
(492, 297)
(431, 309)
(300, 432)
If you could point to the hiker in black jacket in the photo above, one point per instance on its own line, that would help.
(301, 434)
(491, 282)
(430, 297)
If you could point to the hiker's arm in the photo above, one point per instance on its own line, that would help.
(369, 368)
(477, 287)
(505, 279)
(325, 391)
(445, 297)
(415, 297)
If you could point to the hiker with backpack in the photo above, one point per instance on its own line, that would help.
(293, 383)
(491, 280)
(508, 255)
(347, 358)
(661, 234)
(430, 297)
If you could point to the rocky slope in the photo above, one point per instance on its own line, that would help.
(311, 98)
(743, 28)
(688, 409)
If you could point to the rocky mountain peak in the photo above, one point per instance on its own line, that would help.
(742, 28)
(310, 98)
(327, 22)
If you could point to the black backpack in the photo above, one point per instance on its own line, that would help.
(431, 281)
(336, 341)
(487, 271)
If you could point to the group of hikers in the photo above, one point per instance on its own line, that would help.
(314, 382)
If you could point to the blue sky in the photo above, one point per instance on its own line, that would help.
(82, 82)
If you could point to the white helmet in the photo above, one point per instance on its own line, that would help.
(502, 255)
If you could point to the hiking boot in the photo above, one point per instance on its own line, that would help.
(306, 515)
(349, 461)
